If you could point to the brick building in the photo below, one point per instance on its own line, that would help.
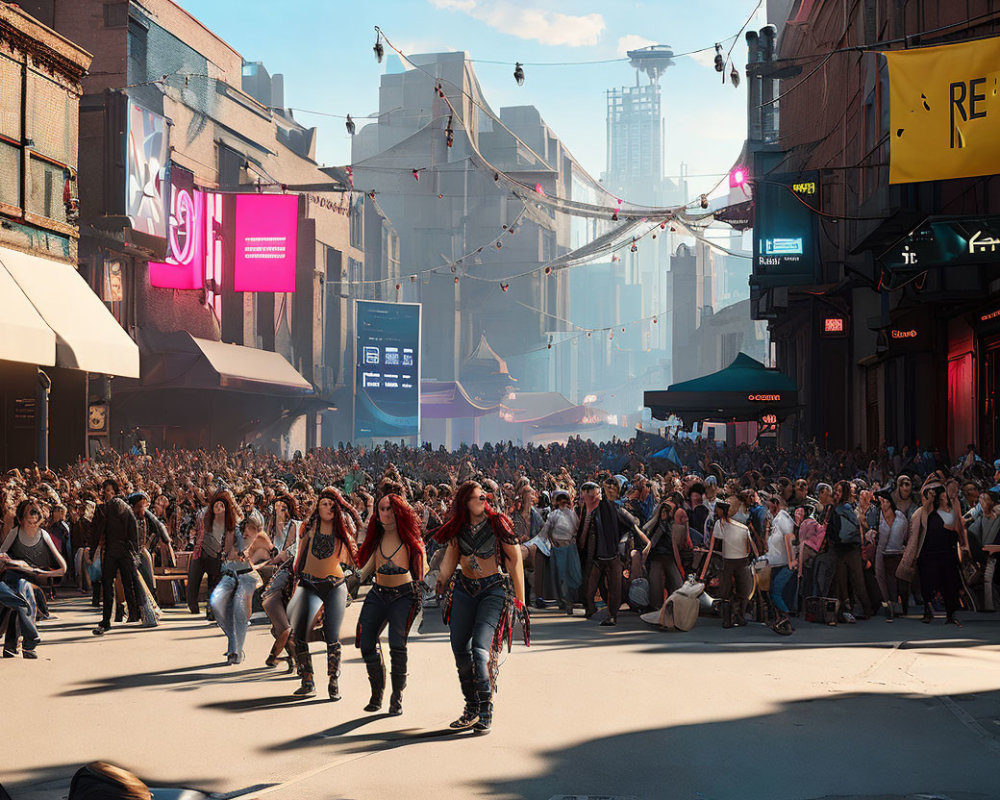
(883, 351)
(57, 340)
(172, 112)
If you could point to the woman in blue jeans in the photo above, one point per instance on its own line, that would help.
(327, 541)
(394, 548)
(483, 598)
(232, 596)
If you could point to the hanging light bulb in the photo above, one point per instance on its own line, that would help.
(499, 245)
(379, 50)
(416, 174)
(413, 279)
(398, 287)
(704, 201)
(614, 215)
(456, 279)
(548, 270)
(654, 235)
(496, 176)
(371, 194)
(663, 225)
(518, 74)
(350, 125)
(623, 330)
(654, 320)
(504, 287)
(449, 133)
(588, 334)
(633, 248)
(734, 77)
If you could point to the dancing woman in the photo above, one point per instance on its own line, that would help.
(285, 539)
(483, 599)
(327, 542)
(394, 543)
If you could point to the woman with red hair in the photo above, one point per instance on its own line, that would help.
(394, 543)
(327, 541)
(482, 599)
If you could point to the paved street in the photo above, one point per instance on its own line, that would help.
(867, 710)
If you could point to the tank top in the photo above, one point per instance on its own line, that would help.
(939, 541)
(36, 555)
(321, 560)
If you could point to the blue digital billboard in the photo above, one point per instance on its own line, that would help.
(387, 370)
(786, 241)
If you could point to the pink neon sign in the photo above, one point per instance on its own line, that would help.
(185, 264)
(266, 239)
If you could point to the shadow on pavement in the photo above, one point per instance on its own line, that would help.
(848, 745)
(173, 677)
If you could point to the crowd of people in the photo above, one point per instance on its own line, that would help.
(773, 534)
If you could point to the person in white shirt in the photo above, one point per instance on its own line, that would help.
(560, 531)
(781, 558)
(736, 582)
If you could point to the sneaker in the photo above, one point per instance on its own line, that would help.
(33, 654)
(608, 623)
(849, 618)
(100, 630)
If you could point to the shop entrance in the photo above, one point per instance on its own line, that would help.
(989, 391)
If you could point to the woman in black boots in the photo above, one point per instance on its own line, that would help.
(327, 542)
(483, 598)
(394, 543)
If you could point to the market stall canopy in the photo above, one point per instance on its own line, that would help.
(87, 336)
(745, 390)
(533, 406)
(184, 361)
(449, 400)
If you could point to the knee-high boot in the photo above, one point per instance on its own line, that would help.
(397, 660)
(293, 661)
(376, 677)
(466, 679)
(484, 694)
(304, 659)
(333, 669)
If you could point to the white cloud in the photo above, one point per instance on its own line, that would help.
(706, 57)
(632, 42)
(550, 27)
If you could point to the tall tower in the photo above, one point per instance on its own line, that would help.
(635, 130)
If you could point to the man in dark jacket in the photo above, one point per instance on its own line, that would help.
(117, 534)
(602, 525)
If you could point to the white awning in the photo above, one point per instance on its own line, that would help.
(240, 367)
(24, 336)
(88, 337)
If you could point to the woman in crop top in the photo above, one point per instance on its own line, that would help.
(483, 599)
(327, 542)
(394, 549)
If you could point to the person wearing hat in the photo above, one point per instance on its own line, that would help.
(736, 581)
(560, 530)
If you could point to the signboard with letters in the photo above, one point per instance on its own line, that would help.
(185, 264)
(786, 244)
(266, 239)
(947, 241)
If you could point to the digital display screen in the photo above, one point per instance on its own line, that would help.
(266, 239)
(387, 385)
(185, 264)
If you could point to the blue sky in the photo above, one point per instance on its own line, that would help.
(324, 50)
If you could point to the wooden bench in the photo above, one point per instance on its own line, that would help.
(171, 585)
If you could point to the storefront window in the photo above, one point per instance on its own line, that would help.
(10, 174)
(45, 193)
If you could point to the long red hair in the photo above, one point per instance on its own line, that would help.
(458, 517)
(232, 515)
(408, 527)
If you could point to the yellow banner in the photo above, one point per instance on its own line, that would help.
(944, 111)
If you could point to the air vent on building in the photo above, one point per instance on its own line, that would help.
(115, 15)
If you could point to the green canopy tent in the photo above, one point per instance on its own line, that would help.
(746, 390)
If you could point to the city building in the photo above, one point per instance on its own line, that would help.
(892, 334)
(59, 344)
(192, 169)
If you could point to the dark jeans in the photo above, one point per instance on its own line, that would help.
(736, 584)
(475, 614)
(939, 573)
(849, 579)
(664, 578)
(611, 570)
(396, 607)
(310, 596)
(198, 569)
(540, 576)
(18, 612)
(122, 564)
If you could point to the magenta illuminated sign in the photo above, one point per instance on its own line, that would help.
(185, 264)
(266, 239)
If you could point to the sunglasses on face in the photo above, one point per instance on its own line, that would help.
(482, 498)
(34, 513)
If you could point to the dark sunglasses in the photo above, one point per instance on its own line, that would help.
(34, 513)
(481, 498)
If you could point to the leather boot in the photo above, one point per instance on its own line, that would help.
(304, 659)
(467, 681)
(333, 669)
(484, 694)
(726, 611)
(276, 648)
(376, 677)
(293, 661)
(397, 658)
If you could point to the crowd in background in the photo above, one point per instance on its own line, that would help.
(875, 532)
